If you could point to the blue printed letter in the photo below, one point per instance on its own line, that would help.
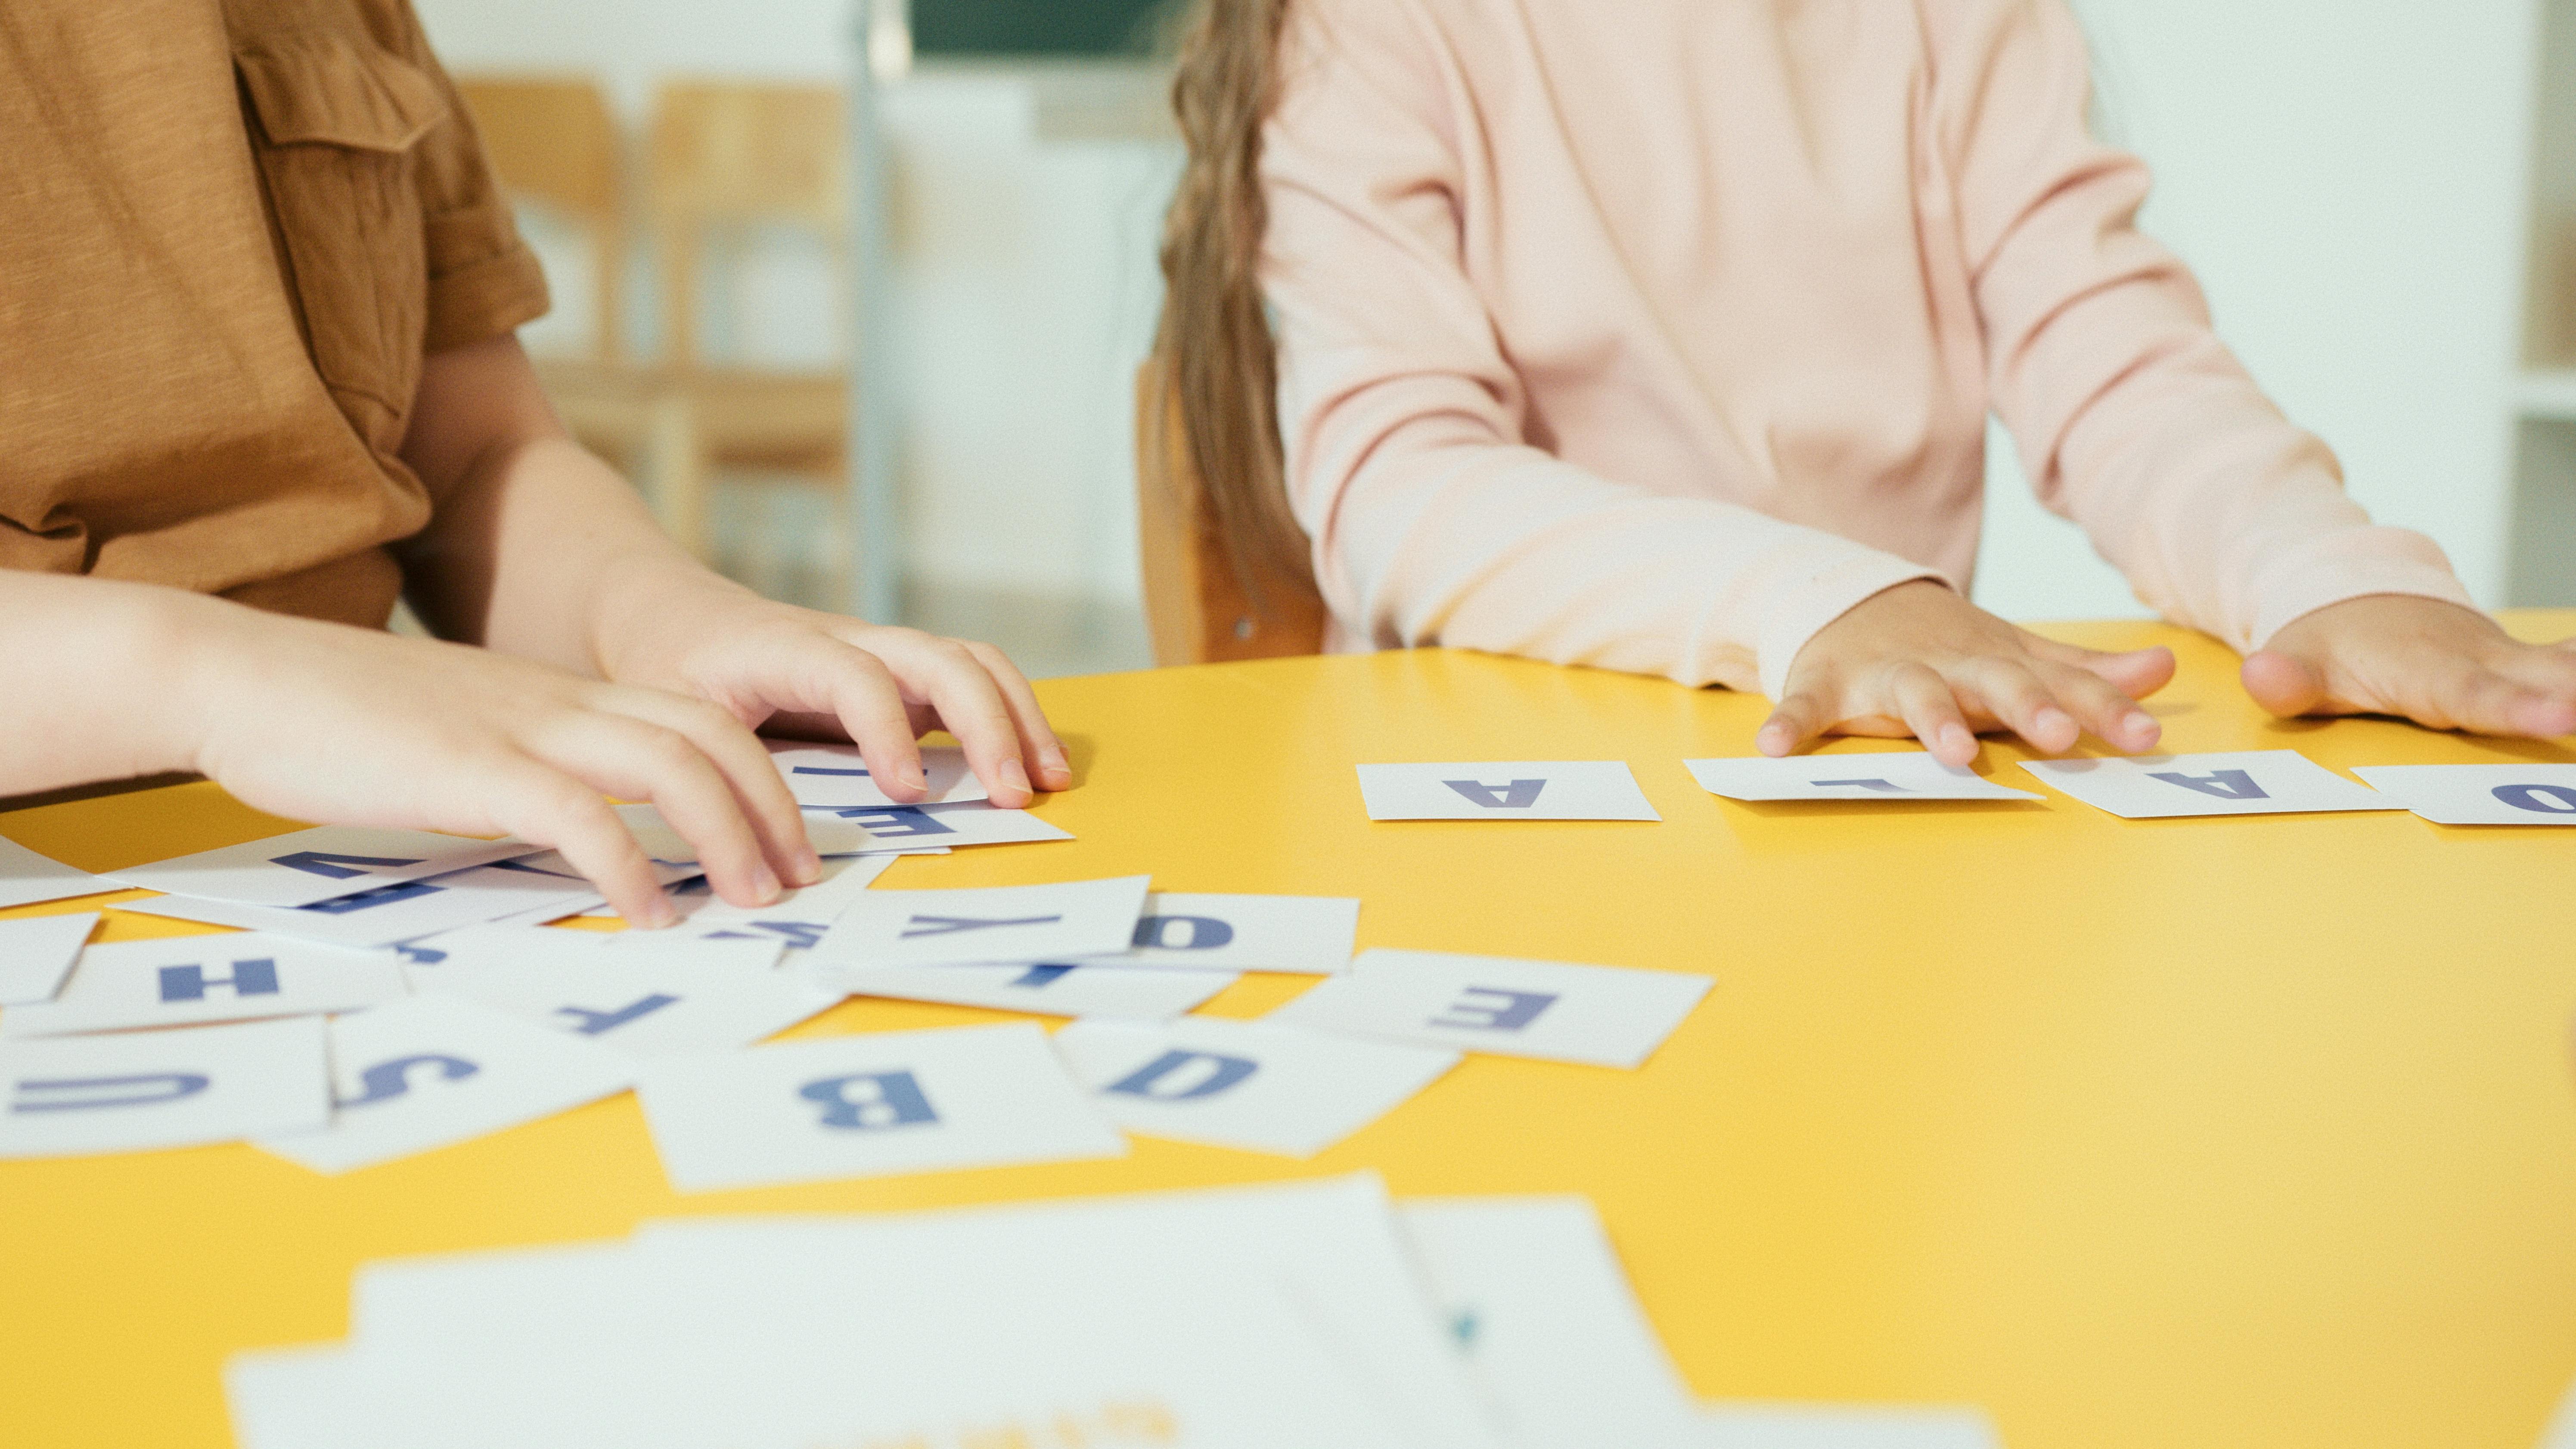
(1197, 933)
(870, 1101)
(950, 925)
(595, 1022)
(387, 1080)
(2225, 784)
(1204, 1074)
(1503, 1011)
(148, 1090)
(2535, 797)
(1043, 973)
(333, 867)
(256, 977)
(893, 822)
(1518, 795)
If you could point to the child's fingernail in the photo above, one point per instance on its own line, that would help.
(764, 884)
(1014, 776)
(2139, 722)
(809, 865)
(659, 915)
(912, 776)
(1053, 766)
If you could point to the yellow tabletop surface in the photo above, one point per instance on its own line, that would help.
(2140, 1134)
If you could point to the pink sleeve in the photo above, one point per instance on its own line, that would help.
(2131, 416)
(1434, 522)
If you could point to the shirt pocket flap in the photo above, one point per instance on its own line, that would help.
(337, 92)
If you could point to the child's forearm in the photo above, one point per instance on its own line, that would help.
(536, 546)
(99, 677)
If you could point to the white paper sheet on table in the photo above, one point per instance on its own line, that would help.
(319, 864)
(640, 1002)
(1609, 1016)
(1892, 776)
(70, 1096)
(1244, 1084)
(1844, 1426)
(904, 1342)
(864, 1106)
(1049, 988)
(998, 924)
(1504, 790)
(36, 954)
(192, 980)
(27, 877)
(389, 915)
(662, 841)
(2480, 794)
(415, 1075)
(2243, 782)
(906, 829)
(834, 777)
(1541, 1310)
(1304, 934)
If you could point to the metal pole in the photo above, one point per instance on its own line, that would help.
(877, 582)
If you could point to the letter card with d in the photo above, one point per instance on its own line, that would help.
(2480, 794)
(1244, 1084)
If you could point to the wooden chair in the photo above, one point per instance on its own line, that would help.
(553, 142)
(725, 158)
(1197, 607)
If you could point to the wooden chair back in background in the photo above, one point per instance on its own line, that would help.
(1197, 606)
(725, 158)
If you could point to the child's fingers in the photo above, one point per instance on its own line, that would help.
(2136, 673)
(868, 701)
(1796, 719)
(2285, 685)
(970, 707)
(2485, 702)
(758, 791)
(1038, 743)
(2014, 695)
(1930, 708)
(546, 806)
(635, 760)
(2105, 712)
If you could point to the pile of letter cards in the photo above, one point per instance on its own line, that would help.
(393, 992)
(1296, 1316)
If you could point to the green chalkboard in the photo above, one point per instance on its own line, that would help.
(1036, 27)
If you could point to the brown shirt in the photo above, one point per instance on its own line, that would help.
(229, 232)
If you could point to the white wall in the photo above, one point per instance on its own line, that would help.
(2347, 177)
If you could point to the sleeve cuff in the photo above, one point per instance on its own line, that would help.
(1820, 585)
(2352, 565)
(485, 299)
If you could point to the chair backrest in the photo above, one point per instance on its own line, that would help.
(1196, 605)
(734, 154)
(552, 140)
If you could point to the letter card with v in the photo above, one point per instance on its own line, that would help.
(1061, 922)
(868, 1106)
(1505, 790)
(2244, 782)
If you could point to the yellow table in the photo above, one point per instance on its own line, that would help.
(2157, 1134)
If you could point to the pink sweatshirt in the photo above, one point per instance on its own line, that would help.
(1656, 334)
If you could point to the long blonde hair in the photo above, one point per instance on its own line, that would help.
(1218, 362)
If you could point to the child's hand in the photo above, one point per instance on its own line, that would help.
(1918, 659)
(348, 726)
(812, 673)
(2433, 662)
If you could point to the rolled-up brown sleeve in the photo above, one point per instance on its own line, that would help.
(484, 282)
